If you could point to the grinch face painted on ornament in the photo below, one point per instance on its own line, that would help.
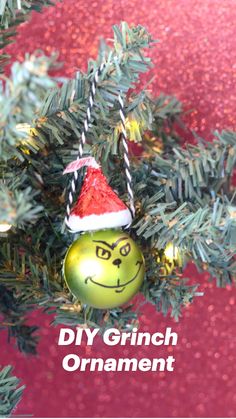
(105, 269)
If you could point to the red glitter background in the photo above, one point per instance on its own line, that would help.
(195, 60)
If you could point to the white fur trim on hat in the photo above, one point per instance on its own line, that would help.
(98, 222)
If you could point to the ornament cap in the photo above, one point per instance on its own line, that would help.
(79, 163)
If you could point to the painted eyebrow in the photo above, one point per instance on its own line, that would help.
(113, 245)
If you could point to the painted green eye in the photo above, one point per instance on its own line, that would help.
(102, 253)
(124, 250)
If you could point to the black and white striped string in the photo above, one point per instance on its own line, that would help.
(83, 136)
(126, 157)
(83, 141)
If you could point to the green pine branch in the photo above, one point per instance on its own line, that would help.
(10, 392)
(17, 206)
(63, 112)
(13, 311)
(12, 14)
(22, 95)
(191, 203)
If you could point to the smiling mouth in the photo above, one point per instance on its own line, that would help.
(119, 287)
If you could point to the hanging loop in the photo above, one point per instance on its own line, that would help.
(83, 136)
(126, 157)
(83, 141)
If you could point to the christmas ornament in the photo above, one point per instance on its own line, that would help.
(172, 253)
(104, 269)
(169, 258)
(152, 144)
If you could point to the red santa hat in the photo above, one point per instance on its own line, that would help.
(98, 206)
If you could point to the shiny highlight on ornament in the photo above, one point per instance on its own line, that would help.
(171, 252)
(169, 259)
(134, 129)
(23, 127)
(27, 139)
(4, 227)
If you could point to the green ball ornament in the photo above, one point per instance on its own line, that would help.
(104, 269)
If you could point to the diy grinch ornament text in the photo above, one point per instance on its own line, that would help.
(112, 337)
